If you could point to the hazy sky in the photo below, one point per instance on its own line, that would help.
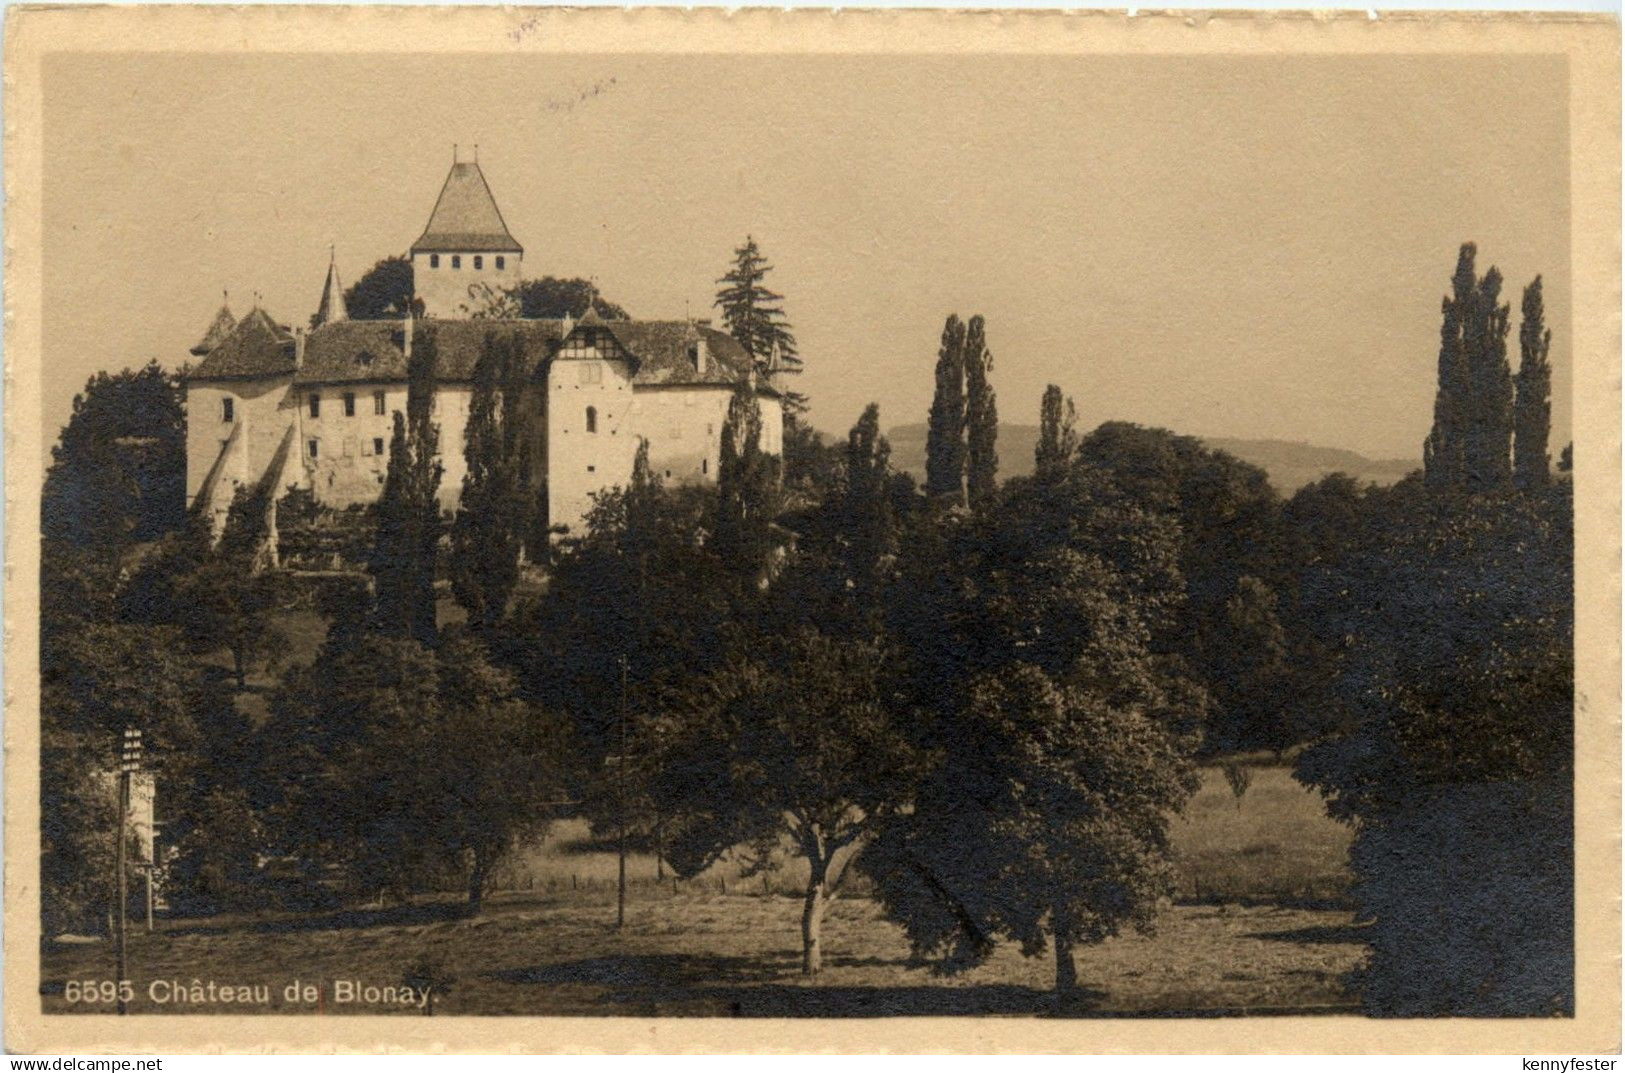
(1224, 246)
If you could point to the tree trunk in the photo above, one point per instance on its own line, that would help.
(812, 918)
(237, 665)
(1066, 971)
(476, 884)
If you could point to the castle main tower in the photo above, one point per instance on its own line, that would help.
(465, 250)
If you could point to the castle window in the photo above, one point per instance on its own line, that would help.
(592, 469)
(315, 448)
(705, 465)
(479, 262)
(377, 445)
(434, 260)
(349, 404)
(456, 261)
(694, 354)
(501, 262)
(315, 409)
(592, 419)
(378, 403)
(226, 410)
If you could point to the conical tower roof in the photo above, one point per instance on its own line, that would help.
(466, 217)
(332, 307)
(219, 328)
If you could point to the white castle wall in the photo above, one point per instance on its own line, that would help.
(264, 409)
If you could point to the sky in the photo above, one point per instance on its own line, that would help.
(1224, 246)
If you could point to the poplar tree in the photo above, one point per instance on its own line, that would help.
(403, 557)
(981, 419)
(945, 436)
(869, 521)
(1469, 447)
(1057, 434)
(1532, 417)
(493, 517)
(747, 488)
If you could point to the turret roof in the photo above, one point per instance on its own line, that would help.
(332, 308)
(258, 346)
(219, 328)
(466, 217)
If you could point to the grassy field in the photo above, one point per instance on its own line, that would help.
(1258, 926)
(696, 954)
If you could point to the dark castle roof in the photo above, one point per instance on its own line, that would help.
(257, 347)
(360, 351)
(466, 217)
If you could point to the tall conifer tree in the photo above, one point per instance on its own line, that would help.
(981, 419)
(403, 558)
(754, 316)
(1470, 445)
(1532, 418)
(945, 437)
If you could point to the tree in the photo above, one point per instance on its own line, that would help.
(403, 557)
(118, 472)
(981, 419)
(556, 298)
(494, 514)
(790, 742)
(945, 436)
(1245, 653)
(384, 292)
(1059, 741)
(1057, 435)
(1533, 409)
(1469, 447)
(752, 315)
(400, 764)
(1457, 767)
(868, 519)
(748, 491)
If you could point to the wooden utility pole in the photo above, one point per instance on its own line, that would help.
(620, 810)
(129, 760)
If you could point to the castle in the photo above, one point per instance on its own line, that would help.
(313, 409)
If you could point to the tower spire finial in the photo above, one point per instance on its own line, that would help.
(454, 152)
(476, 152)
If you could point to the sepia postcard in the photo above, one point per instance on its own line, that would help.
(692, 531)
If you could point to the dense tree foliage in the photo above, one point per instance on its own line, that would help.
(118, 472)
(384, 292)
(1057, 435)
(752, 313)
(400, 763)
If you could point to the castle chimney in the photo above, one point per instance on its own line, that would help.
(299, 348)
(406, 334)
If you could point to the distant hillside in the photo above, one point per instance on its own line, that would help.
(1289, 465)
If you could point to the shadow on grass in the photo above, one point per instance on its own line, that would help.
(698, 985)
(1326, 933)
(393, 916)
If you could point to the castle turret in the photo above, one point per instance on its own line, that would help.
(465, 252)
